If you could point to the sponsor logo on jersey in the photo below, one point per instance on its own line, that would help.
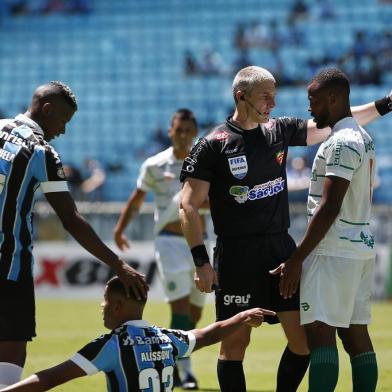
(338, 150)
(369, 146)
(238, 166)
(243, 193)
(144, 340)
(279, 156)
(239, 300)
(191, 160)
(305, 306)
(240, 193)
(232, 151)
(368, 240)
(221, 135)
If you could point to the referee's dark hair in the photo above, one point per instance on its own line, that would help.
(184, 114)
(333, 79)
(116, 286)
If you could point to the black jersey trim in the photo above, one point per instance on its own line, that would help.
(128, 361)
(24, 233)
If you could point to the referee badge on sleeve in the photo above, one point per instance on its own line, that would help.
(238, 166)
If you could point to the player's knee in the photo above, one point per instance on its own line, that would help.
(355, 344)
(234, 348)
(320, 334)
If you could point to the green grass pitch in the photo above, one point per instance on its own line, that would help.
(64, 326)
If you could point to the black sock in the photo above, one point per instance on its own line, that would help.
(231, 376)
(292, 369)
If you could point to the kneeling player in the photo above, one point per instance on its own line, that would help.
(135, 356)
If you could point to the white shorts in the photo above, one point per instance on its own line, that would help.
(176, 269)
(336, 290)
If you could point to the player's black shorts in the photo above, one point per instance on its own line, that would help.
(243, 266)
(17, 310)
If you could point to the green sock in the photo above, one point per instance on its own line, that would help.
(323, 369)
(181, 321)
(364, 372)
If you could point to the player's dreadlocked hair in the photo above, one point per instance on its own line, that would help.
(66, 92)
(184, 114)
(332, 78)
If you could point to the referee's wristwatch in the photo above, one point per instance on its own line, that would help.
(200, 255)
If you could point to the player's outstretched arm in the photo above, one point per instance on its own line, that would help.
(48, 379)
(130, 210)
(364, 114)
(79, 228)
(218, 331)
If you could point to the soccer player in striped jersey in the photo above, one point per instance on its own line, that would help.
(135, 356)
(28, 162)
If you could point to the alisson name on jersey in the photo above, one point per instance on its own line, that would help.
(155, 356)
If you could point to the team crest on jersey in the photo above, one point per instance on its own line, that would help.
(221, 135)
(279, 156)
(238, 166)
(60, 172)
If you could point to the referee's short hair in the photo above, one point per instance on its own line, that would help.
(116, 286)
(247, 78)
(332, 78)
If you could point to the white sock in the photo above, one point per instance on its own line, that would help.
(9, 373)
(184, 368)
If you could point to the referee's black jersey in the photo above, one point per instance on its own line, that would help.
(246, 170)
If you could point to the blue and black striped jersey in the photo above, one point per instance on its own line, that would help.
(136, 356)
(27, 162)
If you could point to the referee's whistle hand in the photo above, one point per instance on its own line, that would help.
(205, 278)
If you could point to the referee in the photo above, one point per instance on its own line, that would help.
(28, 162)
(241, 166)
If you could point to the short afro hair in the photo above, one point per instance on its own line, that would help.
(332, 78)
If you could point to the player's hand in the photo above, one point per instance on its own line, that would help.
(255, 317)
(121, 240)
(290, 274)
(132, 280)
(205, 278)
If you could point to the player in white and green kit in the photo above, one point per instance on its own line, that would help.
(336, 255)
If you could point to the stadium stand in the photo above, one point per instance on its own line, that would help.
(125, 62)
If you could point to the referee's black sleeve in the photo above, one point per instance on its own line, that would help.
(296, 130)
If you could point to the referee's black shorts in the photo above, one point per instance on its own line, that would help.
(17, 310)
(243, 265)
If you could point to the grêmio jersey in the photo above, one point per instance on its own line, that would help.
(27, 162)
(246, 170)
(136, 356)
